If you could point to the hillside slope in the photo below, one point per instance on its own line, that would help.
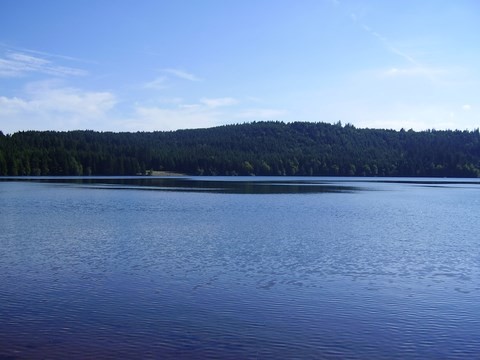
(260, 148)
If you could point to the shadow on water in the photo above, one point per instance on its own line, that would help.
(245, 185)
(210, 185)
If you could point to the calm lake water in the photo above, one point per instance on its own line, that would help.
(239, 268)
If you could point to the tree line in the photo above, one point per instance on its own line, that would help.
(258, 148)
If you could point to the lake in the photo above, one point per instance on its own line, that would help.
(267, 268)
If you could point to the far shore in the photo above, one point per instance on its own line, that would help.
(164, 173)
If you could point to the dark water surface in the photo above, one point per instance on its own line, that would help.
(239, 268)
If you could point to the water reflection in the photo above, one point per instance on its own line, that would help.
(202, 184)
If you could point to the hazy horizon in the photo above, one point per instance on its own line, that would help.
(245, 123)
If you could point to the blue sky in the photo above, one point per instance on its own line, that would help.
(129, 65)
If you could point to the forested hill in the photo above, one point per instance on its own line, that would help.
(260, 148)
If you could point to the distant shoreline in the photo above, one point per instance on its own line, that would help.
(164, 173)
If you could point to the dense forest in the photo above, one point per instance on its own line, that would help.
(259, 148)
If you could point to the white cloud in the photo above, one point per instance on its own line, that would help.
(207, 112)
(219, 102)
(14, 64)
(176, 114)
(11, 106)
(467, 107)
(182, 74)
(49, 106)
(53, 96)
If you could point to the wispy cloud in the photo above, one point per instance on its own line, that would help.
(386, 43)
(417, 71)
(389, 46)
(219, 102)
(159, 83)
(414, 67)
(15, 64)
(164, 81)
(467, 107)
(44, 54)
(182, 74)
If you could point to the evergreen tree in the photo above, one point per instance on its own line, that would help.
(258, 148)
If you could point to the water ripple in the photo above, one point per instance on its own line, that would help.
(99, 272)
